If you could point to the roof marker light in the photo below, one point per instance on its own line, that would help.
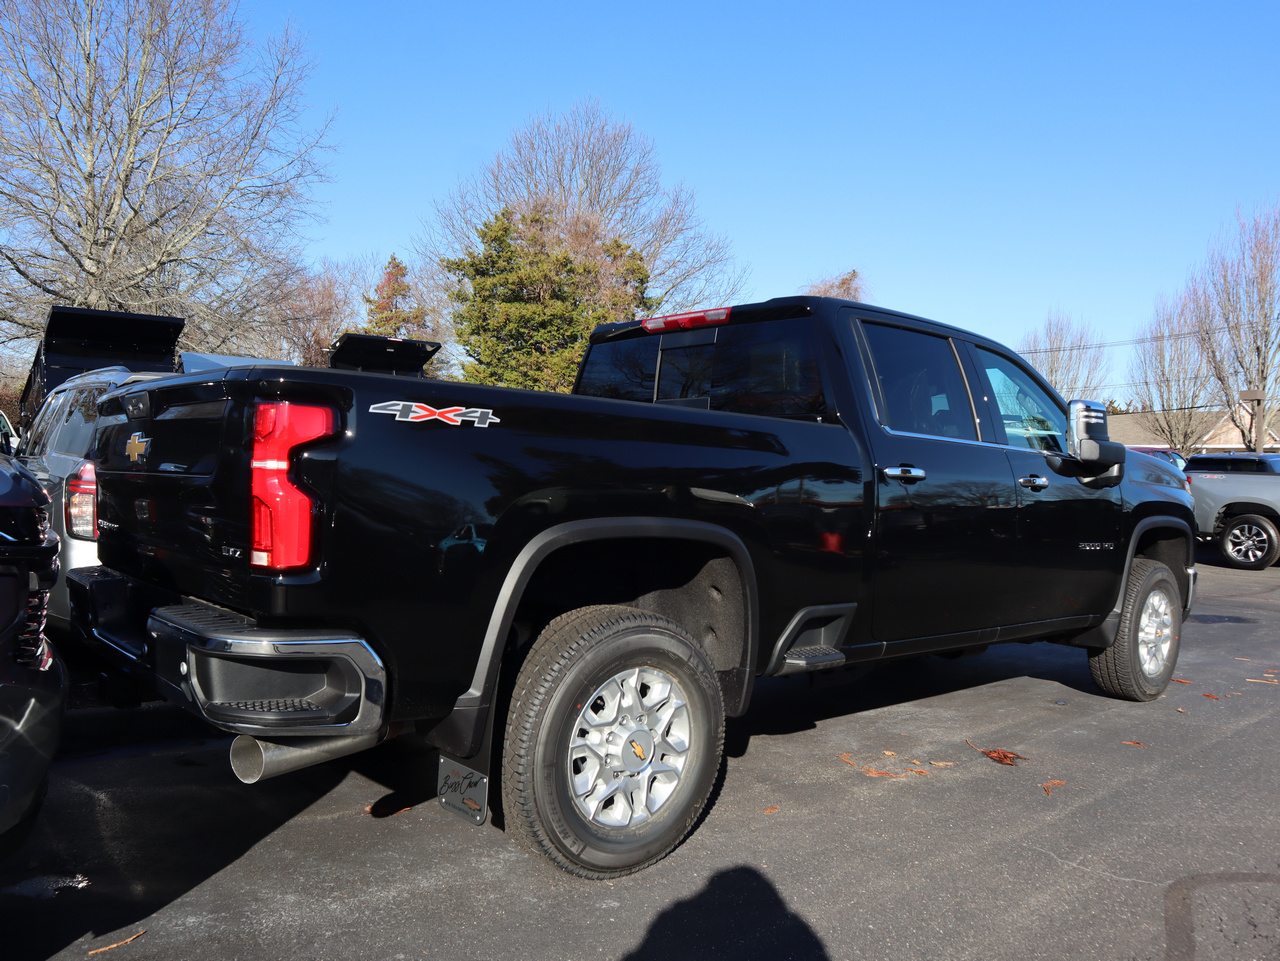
(697, 318)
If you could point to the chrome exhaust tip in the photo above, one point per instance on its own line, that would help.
(254, 760)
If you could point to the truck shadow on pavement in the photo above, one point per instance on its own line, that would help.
(789, 705)
(738, 915)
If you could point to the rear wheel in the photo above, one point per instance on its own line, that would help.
(1250, 542)
(613, 741)
(1140, 664)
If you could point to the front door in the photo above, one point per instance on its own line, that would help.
(1069, 538)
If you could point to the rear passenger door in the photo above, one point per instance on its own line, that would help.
(945, 530)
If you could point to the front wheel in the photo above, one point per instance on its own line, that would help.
(1250, 542)
(613, 741)
(1139, 665)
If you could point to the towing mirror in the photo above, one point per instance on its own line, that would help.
(1087, 437)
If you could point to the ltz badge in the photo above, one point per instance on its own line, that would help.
(407, 410)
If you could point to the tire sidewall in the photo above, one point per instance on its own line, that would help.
(604, 849)
(1158, 578)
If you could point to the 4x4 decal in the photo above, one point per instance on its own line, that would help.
(407, 410)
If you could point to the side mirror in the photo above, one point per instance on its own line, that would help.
(1087, 437)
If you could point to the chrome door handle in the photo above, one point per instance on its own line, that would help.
(1035, 482)
(904, 473)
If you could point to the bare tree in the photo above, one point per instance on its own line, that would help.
(326, 302)
(846, 286)
(1172, 382)
(599, 181)
(152, 158)
(1235, 300)
(1069, 354)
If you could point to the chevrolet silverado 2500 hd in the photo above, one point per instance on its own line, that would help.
(769, 489)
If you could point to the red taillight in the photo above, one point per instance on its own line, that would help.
(698, 318)
(281, 514)
(80, 503)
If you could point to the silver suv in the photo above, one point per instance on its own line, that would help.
(56, 450)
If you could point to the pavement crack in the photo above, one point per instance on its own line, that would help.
(1105, 874)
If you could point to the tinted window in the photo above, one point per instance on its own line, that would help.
(1234, 465)
(769, 368)
(51, 412)
(1029, 414)
(623, 369)
(75, 435)
(920, 383)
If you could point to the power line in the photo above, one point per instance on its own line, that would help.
(1120, 343)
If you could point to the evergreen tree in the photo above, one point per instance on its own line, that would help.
(526, 305)
(391, 311)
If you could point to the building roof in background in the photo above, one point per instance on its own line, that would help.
(1213, 426)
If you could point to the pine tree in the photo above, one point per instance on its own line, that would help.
(526, 306)
(391, 311)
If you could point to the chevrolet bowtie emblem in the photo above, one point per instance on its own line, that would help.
(137, 446)
(638, 749)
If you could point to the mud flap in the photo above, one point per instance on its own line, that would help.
(463, 784)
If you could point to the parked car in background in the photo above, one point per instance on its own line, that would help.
(33, 682)
(1238, 506)
(56, 452)
(1167, 454)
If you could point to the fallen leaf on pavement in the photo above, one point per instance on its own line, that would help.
(1244, 659)
(772, 809)
(846, 757)
(871, 772)
(1182, 710)
(1214, 696)
(890, 753)
(916, 770)
(119, 943)
(1051, 784)
(942, 763)
(1261, 680)
(1134, 743)
(1178, 680)
(999, 755)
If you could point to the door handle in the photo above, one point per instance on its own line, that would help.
(1034, 483)
(907, 474)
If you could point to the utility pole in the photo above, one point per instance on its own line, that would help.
(1255, 397)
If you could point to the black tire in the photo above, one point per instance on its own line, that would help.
(1249, 542)
(582, 661)
(1140, 664)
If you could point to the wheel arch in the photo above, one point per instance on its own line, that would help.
(729, 637)
(1166, 539)
(1228, 512)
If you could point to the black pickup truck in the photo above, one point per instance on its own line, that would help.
(571, 592)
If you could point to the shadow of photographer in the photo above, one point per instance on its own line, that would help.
(738, 915)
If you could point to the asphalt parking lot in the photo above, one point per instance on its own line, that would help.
(1128, 831)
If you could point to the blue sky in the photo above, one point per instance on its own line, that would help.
(980, 164)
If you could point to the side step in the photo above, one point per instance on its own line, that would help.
(801, 660)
